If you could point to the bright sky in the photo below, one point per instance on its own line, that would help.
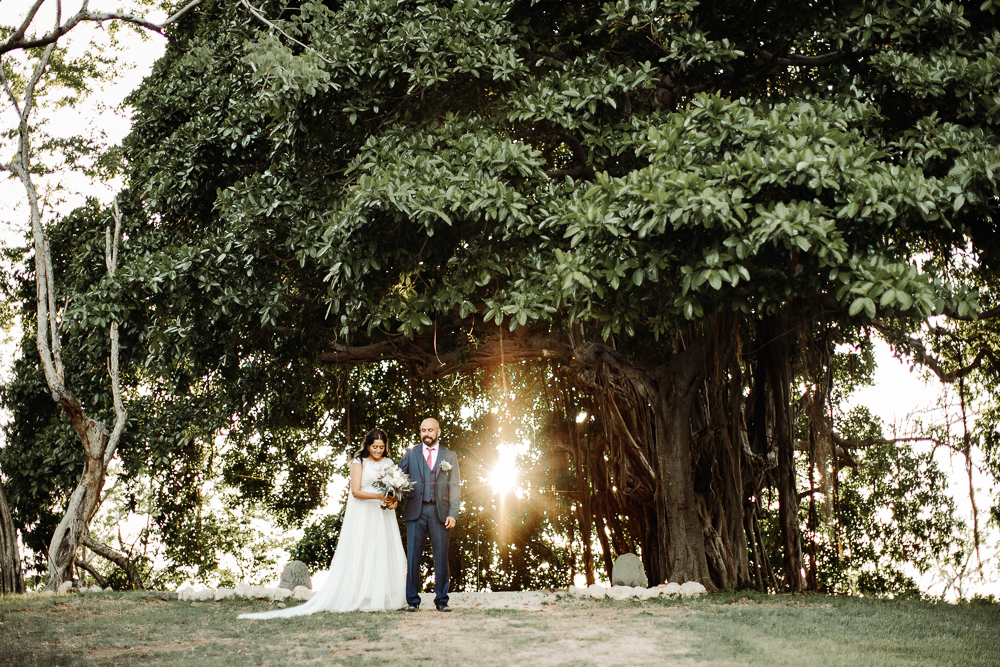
(898, 391)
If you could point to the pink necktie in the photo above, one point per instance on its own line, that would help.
(429, 454)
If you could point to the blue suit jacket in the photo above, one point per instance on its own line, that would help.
(447, 485)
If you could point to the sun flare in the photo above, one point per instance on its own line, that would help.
(503, 476)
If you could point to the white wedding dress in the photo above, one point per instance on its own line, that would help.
(368, 570)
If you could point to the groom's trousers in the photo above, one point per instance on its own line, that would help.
(428, 523)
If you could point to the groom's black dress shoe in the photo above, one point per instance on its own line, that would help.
(412, 607)
(443, 607)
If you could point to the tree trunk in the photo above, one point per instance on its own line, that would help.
(672, 450)
(777, 360)
(681, 537)
(11, 578)
(98, 444)
(82, 504)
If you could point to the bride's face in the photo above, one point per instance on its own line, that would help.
(376, 450)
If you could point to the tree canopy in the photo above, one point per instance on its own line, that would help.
(681, 207)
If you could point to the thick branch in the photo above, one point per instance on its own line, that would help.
(119, 559)
(985, 315)
(839, 449)
(98, 577)
(428, 365)
(29, 17)
(807, 61)
(922, 356)
(869, 442)
(121, 417)
(17, 40)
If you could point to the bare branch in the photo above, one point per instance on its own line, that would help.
(17, 40)
(260, 17)
(119, 559)
(181, 12)
(870, 442)
(925, 358)
(98, 577)
(121, 416)
(58, 32)
(29, 17)
(13, 99)
(808, 61)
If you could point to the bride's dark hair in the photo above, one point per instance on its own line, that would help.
(373, 435)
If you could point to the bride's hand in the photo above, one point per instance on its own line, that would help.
(391, 502)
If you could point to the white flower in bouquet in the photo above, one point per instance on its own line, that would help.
(445, 466)
(394, 482)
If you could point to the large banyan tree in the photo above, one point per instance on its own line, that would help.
(682, 207)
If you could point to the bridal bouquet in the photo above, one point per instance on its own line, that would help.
(393, 482)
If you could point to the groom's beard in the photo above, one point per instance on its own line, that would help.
(429, 441)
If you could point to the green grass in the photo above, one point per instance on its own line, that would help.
(820, 631)
(126, 629)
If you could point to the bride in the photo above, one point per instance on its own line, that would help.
(368, 570)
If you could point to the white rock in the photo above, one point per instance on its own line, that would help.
(96, 589)
(109, 590)
(302, 593)
(258, 592)
(577, 592)
(241, 590)
(192, 595)
(223, 593)
(47, 593)
(670, 588)
(597, 591)
(622, 592)
(692, 589)
(65, 587)
(648, 593)
(281, 593)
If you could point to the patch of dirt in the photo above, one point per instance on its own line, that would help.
(555, 635)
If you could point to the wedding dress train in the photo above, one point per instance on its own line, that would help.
(368, 570)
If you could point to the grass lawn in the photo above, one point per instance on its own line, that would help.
(124, 629)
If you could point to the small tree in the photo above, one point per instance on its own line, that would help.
(98, 442)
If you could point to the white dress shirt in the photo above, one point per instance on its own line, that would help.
(433, 452)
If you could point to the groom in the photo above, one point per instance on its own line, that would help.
(430, 509)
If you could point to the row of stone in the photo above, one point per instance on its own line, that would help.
(244, 591)
(67, 587)
(687, 590)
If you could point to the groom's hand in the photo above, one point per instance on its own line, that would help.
(449, 523)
